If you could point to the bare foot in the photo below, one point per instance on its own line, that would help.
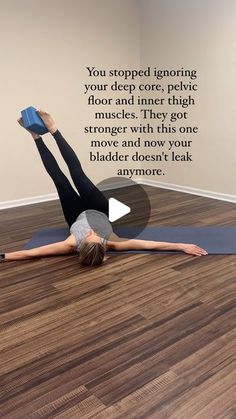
(34, 134)
(48, 121)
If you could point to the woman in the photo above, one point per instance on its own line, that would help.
(86, 213)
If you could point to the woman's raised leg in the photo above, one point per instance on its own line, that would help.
(90, 194)
(71, 202)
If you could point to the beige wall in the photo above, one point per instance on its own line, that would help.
(45, 47)
(201, 35)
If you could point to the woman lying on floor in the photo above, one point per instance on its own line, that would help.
(90, 239)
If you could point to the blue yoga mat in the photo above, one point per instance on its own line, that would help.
(215, 240)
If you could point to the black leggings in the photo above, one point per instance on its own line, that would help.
(89, 195)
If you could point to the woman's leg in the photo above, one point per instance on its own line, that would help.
(71, 202)
(92, 197)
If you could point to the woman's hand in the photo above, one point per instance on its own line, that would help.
(192, 249)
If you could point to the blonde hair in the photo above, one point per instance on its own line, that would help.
(91, 253)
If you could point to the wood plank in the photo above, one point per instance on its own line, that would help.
(141, 336)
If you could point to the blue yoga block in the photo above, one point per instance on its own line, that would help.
(32, 121)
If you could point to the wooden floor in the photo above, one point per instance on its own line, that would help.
(143, 336)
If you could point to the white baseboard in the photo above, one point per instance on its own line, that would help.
(51, 197)
(187, 189)
(28, 201)
(141, 181)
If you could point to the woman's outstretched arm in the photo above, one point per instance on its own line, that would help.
(134, 244)
(59, 248)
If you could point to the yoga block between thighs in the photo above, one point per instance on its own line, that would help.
(32, 121)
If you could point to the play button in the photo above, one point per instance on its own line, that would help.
(117, 209)
(128, 205)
